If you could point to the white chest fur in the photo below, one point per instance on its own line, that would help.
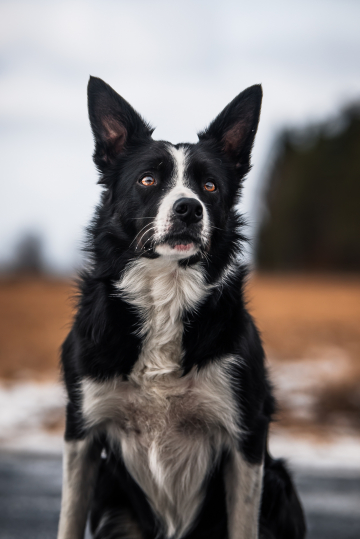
(169, 435)
(161, 290)
(169, 428)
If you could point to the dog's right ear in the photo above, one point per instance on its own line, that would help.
(114, 123)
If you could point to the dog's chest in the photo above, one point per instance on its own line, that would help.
(169, 434)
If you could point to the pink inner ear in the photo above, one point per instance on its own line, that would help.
(234, 138)
(115, 133)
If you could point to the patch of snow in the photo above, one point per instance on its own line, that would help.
(342, 452)
(27, 412)
(298, 383)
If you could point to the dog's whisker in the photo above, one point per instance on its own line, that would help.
(148, 224)
(144, 244)
(146, 231)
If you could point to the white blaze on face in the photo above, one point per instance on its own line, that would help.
(164, 219)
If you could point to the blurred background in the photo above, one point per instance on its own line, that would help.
(179, 64)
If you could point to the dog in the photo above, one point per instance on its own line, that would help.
(169, 401)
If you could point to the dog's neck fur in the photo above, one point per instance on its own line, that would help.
(162, 290)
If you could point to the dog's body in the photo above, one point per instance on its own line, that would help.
(169, 402)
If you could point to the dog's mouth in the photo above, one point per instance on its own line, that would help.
(175, 243)
(182, 246)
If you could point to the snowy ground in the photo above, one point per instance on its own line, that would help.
(31, 416)
(327, 473)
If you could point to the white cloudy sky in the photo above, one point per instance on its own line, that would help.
(178, 62)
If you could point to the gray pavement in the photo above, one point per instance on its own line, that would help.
(30, 487)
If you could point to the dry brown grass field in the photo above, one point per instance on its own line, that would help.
(310, 326)
(35, 315)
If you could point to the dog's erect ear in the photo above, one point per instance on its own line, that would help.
(234, 129)
(115, 124)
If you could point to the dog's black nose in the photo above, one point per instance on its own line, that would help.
(188, 210)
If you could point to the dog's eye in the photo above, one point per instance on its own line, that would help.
(209, 186)
(147, 180)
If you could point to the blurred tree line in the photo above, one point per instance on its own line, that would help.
(312, 220)
(28, 257)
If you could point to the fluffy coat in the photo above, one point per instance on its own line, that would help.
(169, 401)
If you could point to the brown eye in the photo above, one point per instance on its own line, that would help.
(148, 180)
(209, 186)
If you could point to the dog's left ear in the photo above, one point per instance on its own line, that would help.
(234, 129)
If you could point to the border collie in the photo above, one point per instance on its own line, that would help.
(169, 401)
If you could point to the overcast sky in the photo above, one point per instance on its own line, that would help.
(178, 63)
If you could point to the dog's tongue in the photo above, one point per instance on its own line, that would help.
(183, 247)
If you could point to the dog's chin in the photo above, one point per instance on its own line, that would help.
(177, 250)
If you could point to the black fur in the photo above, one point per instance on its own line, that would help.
(104, 341)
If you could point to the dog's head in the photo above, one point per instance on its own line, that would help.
(165, 200)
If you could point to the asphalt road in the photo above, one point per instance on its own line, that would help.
(30, 487)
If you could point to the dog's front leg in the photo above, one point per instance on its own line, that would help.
(243, 483)
(80, 465)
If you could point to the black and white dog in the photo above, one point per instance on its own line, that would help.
(168, 397)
